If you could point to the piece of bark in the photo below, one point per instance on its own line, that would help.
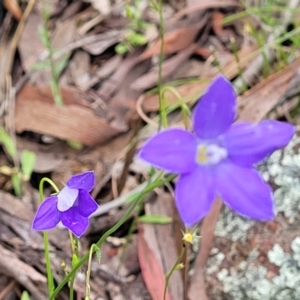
(15, 207)
(23, 273)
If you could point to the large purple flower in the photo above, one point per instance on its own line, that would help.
(218, 157)
(72, 206)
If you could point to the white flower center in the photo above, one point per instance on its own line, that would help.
(66, 198)
(210, 154)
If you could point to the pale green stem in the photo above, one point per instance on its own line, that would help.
(162, 101)
(158, 182)
(168, 276)
(184, 107)
(50, 280)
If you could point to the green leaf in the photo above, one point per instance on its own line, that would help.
(61, 65)
(27, 163)
(155, 219)
(25, 296)
(74, 144)
(98, 254)
(44, 36)
(137, 39)
(128, 11)
(16, 183)
(7, 142)
(121, 49)
(40, 65)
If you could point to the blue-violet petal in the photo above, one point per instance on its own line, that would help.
(216, 109)
(173, 150)
(84, 181)
(194, 195)
(248, 144)
(244, 191)
(74, 221)
(86, 204)
(47, 215)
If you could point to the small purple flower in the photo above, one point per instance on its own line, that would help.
(72, 206)
(218, 157)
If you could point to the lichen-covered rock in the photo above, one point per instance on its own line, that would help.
(253, 260)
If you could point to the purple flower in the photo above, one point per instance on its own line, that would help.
(218, 157)
(72, 206)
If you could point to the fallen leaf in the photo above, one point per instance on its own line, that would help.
(256, 103)
(69, 122)
(204, 4)
(30, 44)
(162, 241)
(149, 79)
(191, 91)
(151, 269)
(175, 40)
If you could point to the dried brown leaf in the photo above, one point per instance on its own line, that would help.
(151, 269)
(161, 240)
(175, 40)
(69, 122)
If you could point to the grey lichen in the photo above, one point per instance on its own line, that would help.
(283, 167)
(249, 281)
(232, 226)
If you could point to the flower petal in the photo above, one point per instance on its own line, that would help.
(74, 221)
(84, 181)
(194, 195)
(66, 198)
(244, 191)
(47, 215)
(173, 150)
(86, 204)
(248, 144)
(216, 109)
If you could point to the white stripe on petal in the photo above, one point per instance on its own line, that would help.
(66, 198)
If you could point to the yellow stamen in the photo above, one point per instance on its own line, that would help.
(202, 154)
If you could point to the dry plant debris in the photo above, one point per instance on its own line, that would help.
(107, 98)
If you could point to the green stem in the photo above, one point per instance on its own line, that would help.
(54, 74)
(168, 276)
(88, 273)
(184, 107)
(50, 280)
(156, 183)
(162, 101)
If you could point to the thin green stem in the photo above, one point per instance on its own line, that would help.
(71, 289)
(168, 276)
(162, 100)
(54, 74)
(184, 107)
(156, 183)
(50, 280)
(88, 273)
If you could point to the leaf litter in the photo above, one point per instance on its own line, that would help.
(100, 89)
